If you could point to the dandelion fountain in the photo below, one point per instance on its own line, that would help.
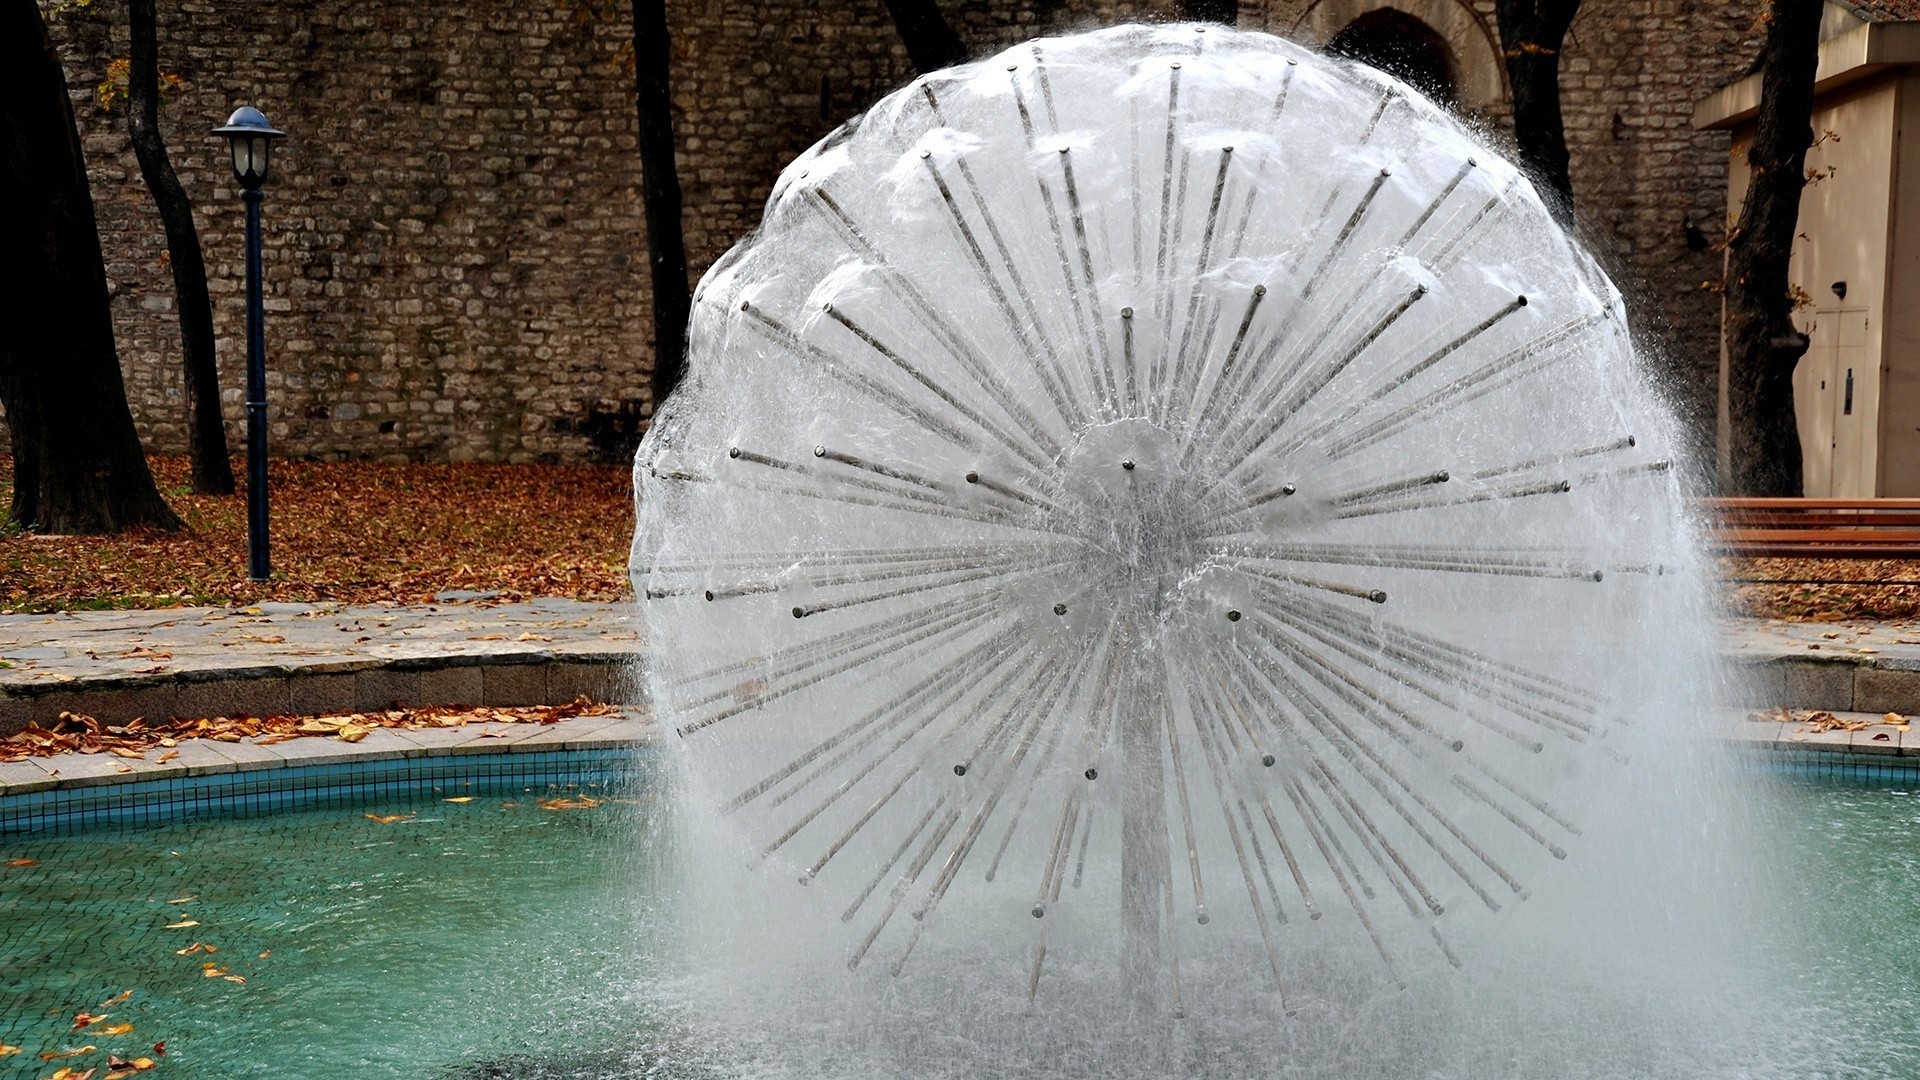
(1153, 528)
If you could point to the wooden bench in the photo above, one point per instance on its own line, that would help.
(1815, 528)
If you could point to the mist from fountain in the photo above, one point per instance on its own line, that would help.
(1165, 562)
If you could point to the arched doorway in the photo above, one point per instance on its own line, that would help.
(1402, 46)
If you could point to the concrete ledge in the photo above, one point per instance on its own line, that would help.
(515, 678)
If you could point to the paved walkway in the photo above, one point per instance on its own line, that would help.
(311, 658)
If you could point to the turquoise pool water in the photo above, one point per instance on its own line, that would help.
(495, 938)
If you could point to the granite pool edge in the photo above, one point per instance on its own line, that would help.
(497, 677)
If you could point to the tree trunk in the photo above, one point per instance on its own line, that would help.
(660, 196)
(931, 43)
(1763, 345)
(77, 462)
(1213, 11)
(1532, 33)
(206, 432)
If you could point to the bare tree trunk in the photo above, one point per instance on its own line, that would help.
(77, 462)
(1763, 345)
(206, 432)
(1532, 33)
(931, 43)
(1213, 11)
(660, 195)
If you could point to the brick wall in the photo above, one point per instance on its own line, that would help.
(455, 250)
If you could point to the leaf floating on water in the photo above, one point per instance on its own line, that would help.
(389, 819)
(139, 1064)
(116, 999)
(65, 1073)
(8, 1051)
(160, 1048)
(189, 950)
(182, 924)
(583, 802)
(235, 978)
(212, 970)
(56, 1055)
(115, 1029)
(84, 1019)
(184, 899)
(23, 862)
(264, 953)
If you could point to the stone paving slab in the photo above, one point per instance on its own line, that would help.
(199, 756)
(1866, 666)
(312, 658)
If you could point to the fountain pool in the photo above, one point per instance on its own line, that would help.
(479, 941)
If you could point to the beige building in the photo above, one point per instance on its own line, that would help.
(1857, 259)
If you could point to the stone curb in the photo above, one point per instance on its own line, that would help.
(199, 757)
(502, 677)
(1833, 682)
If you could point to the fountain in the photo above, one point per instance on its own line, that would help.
(1153, 528)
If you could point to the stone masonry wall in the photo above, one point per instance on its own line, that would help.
(455, 248)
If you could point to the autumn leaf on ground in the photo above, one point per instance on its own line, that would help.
(354, 733)
(166, 757)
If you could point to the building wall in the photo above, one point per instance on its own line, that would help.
(1865, 193)
(455, 248)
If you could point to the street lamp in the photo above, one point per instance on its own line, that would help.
(250, 138)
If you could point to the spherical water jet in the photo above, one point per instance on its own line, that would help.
(1390, 508)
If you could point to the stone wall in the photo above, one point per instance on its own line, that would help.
(456, 254)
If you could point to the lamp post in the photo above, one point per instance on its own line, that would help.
(250, 138)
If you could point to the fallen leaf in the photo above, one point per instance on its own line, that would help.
(488, 637)
(8, 1051)
(1882, 737)
(388, 819)
(115, 1029)
(166, 757)
(52, 1055)
(184, 899)
(1894, 718)
(23, 862)
(83, 1019)
(264, 953)
(116, 999)
(134, 754)
(160, 1048)
(354, 733)
(212, 970)
(530, 636)
(189, 950)
(461, 799)
(182, 924)
(139, 1064)
(235, 978)
(583, 802)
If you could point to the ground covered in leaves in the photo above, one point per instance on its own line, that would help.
(347, 532)
(77, 734)
(1824, 590)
